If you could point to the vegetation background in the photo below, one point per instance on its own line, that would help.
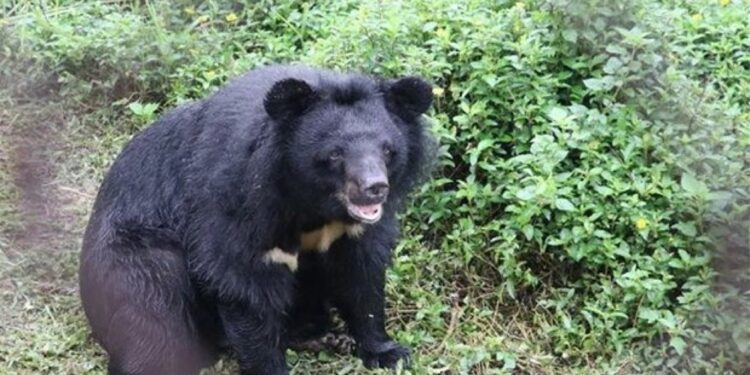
(591, 209)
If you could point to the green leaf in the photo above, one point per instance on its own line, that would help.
(136, 107)
(616, 49)
(678, 344)
(648, 315)
(719, 200)
(557, 114)
(593, 84)
(603, 190)
(720, 195)
(570, 35)
(692, 186)
(623, 250)
(741, 338)
(528, 232)
(686, 228)
(564, 205)
(490, 79)
(613, 64)
(527, 193)
(477, 151)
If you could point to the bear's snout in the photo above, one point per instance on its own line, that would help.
(377, 191)
(366, 189)
(367, 192)
(367, 182)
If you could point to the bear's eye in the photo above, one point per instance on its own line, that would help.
(388, 152)
(335, 155)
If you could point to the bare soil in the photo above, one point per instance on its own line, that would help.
(31, 122)
(38, 205)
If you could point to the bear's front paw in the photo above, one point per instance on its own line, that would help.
(384, 355)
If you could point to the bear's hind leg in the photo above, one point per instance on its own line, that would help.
(142, 344)
(139, 305)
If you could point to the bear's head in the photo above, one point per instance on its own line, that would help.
(351, 144)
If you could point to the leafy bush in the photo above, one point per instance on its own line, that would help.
(572, 149)
(594, 155)
(160, 53)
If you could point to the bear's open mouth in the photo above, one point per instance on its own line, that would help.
(367, 214)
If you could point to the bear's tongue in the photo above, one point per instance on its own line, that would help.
(367, 213)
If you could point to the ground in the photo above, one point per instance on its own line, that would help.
(44, 208)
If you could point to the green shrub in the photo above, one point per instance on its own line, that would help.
(159, 52)
(572, 149)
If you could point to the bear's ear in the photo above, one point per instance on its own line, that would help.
(288, 99)
(408, 97)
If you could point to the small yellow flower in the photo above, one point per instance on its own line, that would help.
(520, 5)
(231, 17)
(189, 11)
(697, 17)
(725, 2)
(203, 19)
(641, 223)
(438, 91)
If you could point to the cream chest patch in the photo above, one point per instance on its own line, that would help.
(277, 255)
(321, 239)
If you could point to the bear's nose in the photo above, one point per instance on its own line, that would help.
(376, 190)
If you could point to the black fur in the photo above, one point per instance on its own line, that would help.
(173, 265)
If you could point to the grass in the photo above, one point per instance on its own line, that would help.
(41, 323)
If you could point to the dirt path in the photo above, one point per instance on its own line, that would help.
(32, 123)
(38, 204)
(42, 328)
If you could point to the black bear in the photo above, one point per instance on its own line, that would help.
(237, 222)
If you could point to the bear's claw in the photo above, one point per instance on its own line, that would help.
(385, 355)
